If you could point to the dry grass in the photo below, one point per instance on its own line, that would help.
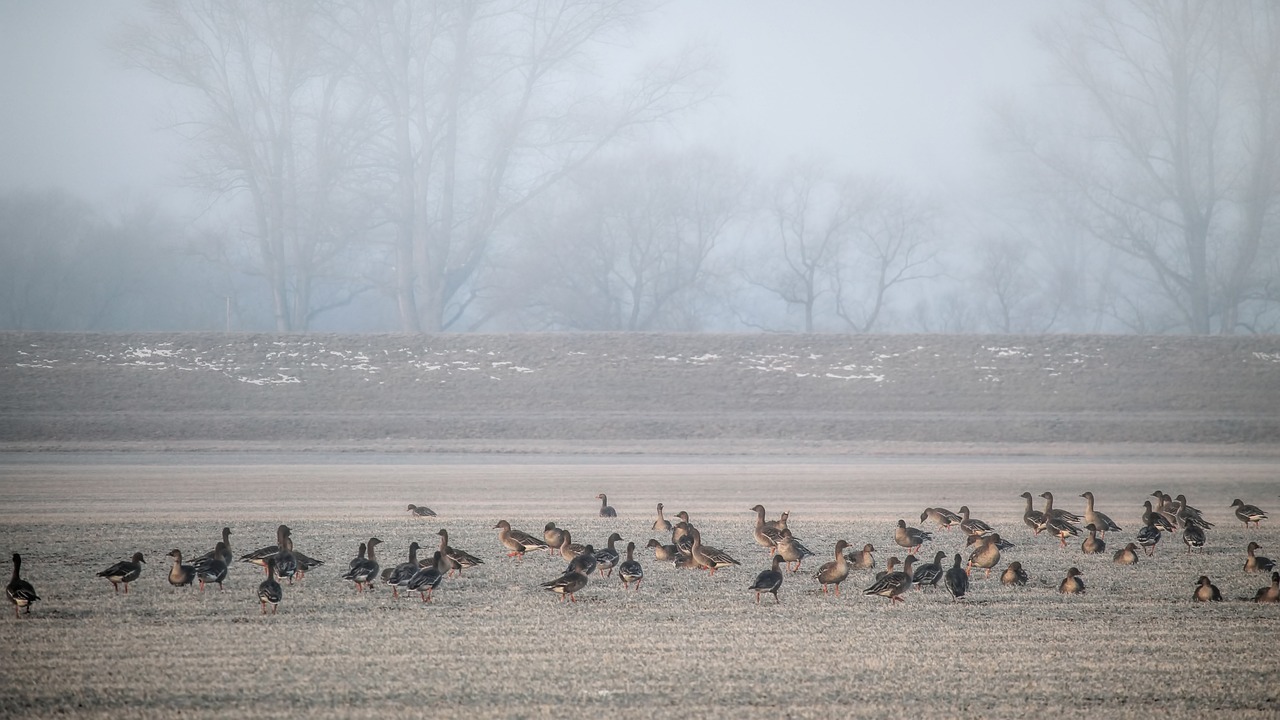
(493, 644)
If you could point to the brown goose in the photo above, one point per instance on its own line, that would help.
(792, 550)
(890, 566)
(1051, 512)
(1269, 594)
(661, 524)
(942, 516)
(570, 549)
(835, 571)
(1097, 519)
(269, 591)
(766, 536)
(225, 555)
(862, 559)
(630, 570)
(1206, 591)
(1092, 544)
(124, 572)
(1033, 518)
(1127, 555)
(567, 585)
(421, 511)
(605, 510)
(894, 584)
(1248, 513)
(553, 536)
(456, 559)
(365, 572)
(1256, 563)
(708, 557)
(662, 553)
(973, 526)
(180, 574)
(19, 591)
(518, 542)
(987, 555)
(1072, 584)
(1014, 575)
(910, 538)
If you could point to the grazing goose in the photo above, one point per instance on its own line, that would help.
(269, 591)
(1154, 519)
(420, 511)
(607, 557)
(226, 556)
(1093, 544)
(458, 559)
(1149, 535)
(1256, 563)
(259, 557)
(567, 584)
(1014, 575)
(605, 510)
(956, 579)
(364, 572)
(894, 584)
(1248, 513)
(400, 574)
(286, 562)
(584, 563)
(835, 571)
(766, 536)
(1033, 518)
(1051, 512)
(890, 566)
(929, 574)
(862, 559)
(428, 577)
(910, 538)
(125, 571)
(987, 555)
(769, 581)
(661, 524)
(1072, 584)
(553, 536)
(1188, 515)
(1269, 594)
(518, 542)
(1097, 519)
(708, 557)
(19, 591)
(662, 553)
(792, 550)
(570, 549)
(1127, 555)
(1206, 591)
(1193, 536)
(973, 526)
(180, 574)
(213, 571)
(630, 570)
(944, 517)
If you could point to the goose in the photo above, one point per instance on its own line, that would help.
(1164, 506)
(1093, 544)
(225, 556)
(421, 511)
(910, 538)
(1127, 555)
(517, 541)
(458, 559)
(1014, 575)
(1032, 517)
(661, 524)
(662, 553)
(1001, 543)
(359, 558)
(781, 522)
(1248, 513)
(1256, 563)
(680, 531)
(605, 510)
(835, 571)
(1051, 512)
(259, 557)
(942, 516)
(894, 584)
(890, 566)
(180, 574)
(570, 549)
(1193, 536)
(1154, 519)
(1072, 584)
(1149, 535)
(553, 536)
(401, 574)
(766, 536)
(584, 563)
(19, 591)
(956, 579)
(972, 526)
(213, 571)
(567, 584)
(286, 562)
(1206, 591)
(709, 557)
(769, 581)
(1269, 594)
(929, 574)
(987, 555)
(363, 573)
(792, 550)
(630, 571)
(1058, 525)
(1098, 519)
(1188, 515)
(607, 557)
(862, 559)
(124, 572)
(428, 576)
(269, 591)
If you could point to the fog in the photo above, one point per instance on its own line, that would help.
(703, 165)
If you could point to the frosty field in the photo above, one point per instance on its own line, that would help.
(493, 644)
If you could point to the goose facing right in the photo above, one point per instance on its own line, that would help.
(1254, 562)
(894, 584)
(769, 581)
(124, 572)
(1072, 584)
(1206, 591)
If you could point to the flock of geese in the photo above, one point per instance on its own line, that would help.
(1162, 516)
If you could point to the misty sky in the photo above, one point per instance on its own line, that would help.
(901, 88)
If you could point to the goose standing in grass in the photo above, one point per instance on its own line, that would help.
(359, 558)
(766, 535)
(606, 511)
(930, 573)
(910, 538)
(213, 571)
(567, 585)
(1097, 519)
(570, 549)
(1033, 518)
(1192, 536)
(1072, 584)
(428, 577)
(890, 566)
(1056, 522)
(707, 557)
(1051, 512)
(1014, 575)
(584, 563)
(862, 559)
(458, 559)
(942, 516)
(1164, 506)
(19, 591)
(518, 542)
(769, 581)
(1151, 518)
(1093, 544)
(608, 556)
(1206, 591)
(1269, 594)
(269, 590)
(259, 557)
(956, 579)
(421, 511)
(124, 572)
(1188, 515)
(225, 555)
(1248, 513)
(366, 571)
(894, 584)
(286, 563)
(662, 553)
(835, 571)
(629, 570)
(1127, 555)
(180, 574)
(973, 526)
(781, 522)
(1149, 535)
(1256, 563)
(400, 574)
(553, 536)
(792, 550)
(987, 555)
(661, 524)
